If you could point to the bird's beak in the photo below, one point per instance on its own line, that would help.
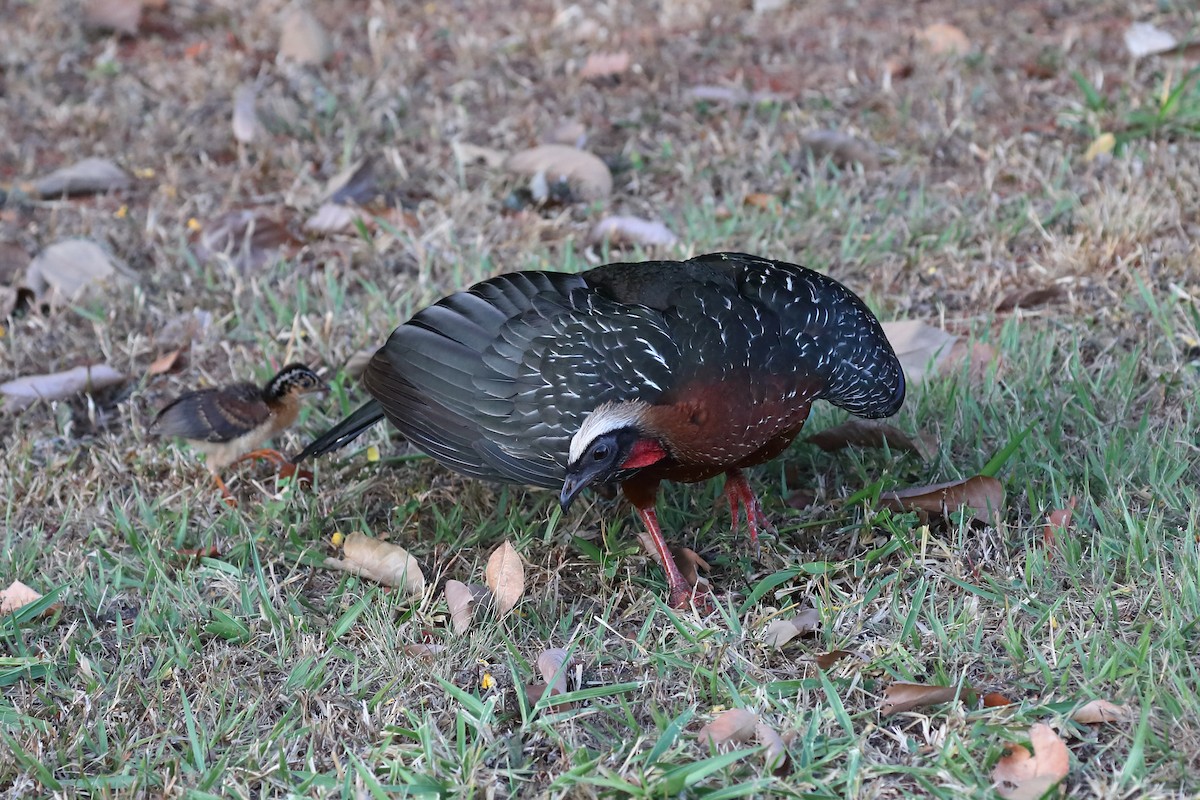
(571, 487)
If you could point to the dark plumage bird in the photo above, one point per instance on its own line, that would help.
(229, 423)
(631, 374)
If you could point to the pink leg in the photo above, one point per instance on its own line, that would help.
(679, 592)
(740, 495)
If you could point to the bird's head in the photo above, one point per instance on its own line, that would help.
(612, 442)
(291, 381)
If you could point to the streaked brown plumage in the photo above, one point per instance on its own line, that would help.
(229, 424)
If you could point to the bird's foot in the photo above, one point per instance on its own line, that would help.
(679, 592)
(274, 456)
(226, 495)
(740, 495)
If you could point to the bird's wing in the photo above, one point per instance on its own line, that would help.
(494, 381)
(213, 415)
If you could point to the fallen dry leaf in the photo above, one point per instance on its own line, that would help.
(379, 561)
(827, 660)
(26, 390)
(901, 697)
(425, 652)
(122, 16)
(873, 433)
(245, 118)
(781, 631)
(17, 596)
(603, 65)
(505, 577)
(302, 477)
(181, 331)
(588, 176)
(1030, 298)
(460, 598)
(735, 726)
(1143, 39)
(332, 218)
(996, 700)
(921, 348)
(981, 495)
(1058, 522)
(973, 358)
(840, 148)
(690, 564)
(548, 663)
(1098, 711)
(761, 200)
(632, 230)
(248, 238)
(1021, 775)
(303, 38)
(357, 184)
(89, 176)
(197, 553)
(941, 38)
(1102, 145)
(67, 270)
(170, 361)
(777, 760)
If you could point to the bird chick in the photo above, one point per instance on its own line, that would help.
(230, 423)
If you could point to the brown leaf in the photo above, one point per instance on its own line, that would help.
(603, 65)
(873, 433)
(921, 348)
(781, 631)
(548, 663)
(505, 577)
(245, 118)
(981, 495)
(303, 478)
(122, 16)
(459, 599)
(840, 148)
(800, 499)
(588, 175)
(356, 185)
(777, 760)
(170, 361)
(379, 561)
(197, 553)
(1030, 298)
(690, 563)
(900, 697)
(89, 176)
(735, 726)
(181, 331)
(1058, 522)
(17, 596)
(632, 230)
(1097, 711)
(425, 652)
(1022, 775)
(761, 200)
(827, 660)
(996, 700)
(303, 39)
(67, 270)
(24, 391)
(248, 238)
(332, 218)
(942, 38)
(976, 356)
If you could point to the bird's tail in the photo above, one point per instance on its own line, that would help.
(344, 432)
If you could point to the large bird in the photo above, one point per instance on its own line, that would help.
(630, 374)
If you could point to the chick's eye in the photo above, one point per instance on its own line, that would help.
(600, 453)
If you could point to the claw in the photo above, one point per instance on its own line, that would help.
(740, 495)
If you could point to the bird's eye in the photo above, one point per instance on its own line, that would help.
(600, 453)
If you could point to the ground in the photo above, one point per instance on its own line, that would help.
(253, 671)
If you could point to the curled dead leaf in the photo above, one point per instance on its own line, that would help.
(1021, 775)
(1030, 298)
(357, 184)
(331, 218)
(379, 561)
(603, 65)
(983, 496)
(589, 177)
(549, 662)
(425, 652)
(827, 660)
(197, 553)
(170, 361)
(921, 348)
(735, 726)
(632, 230)
(777, 760)
(89, 176)
(459, 599)
(973, 358)
(505, 577)
(781, 631)
(302, 477)
(67, 270)
(873, 433)
(941, 38)
(24, 391)
(901, 697)
(303, 38)
(16, 596)
(248, 238)
(690, 564)
(1058, 522)
(1099, 711)
(996, 700)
